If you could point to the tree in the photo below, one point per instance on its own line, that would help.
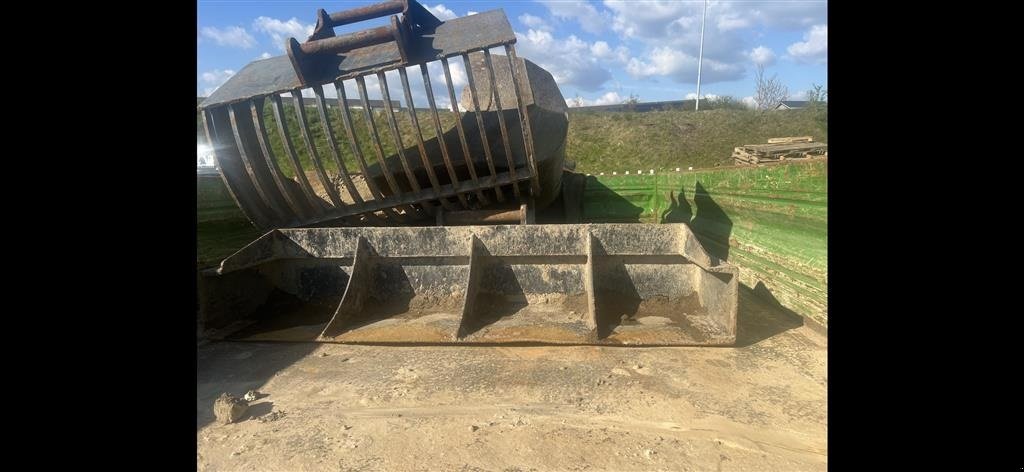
(769, 91)
(817, 93)
(631, 101)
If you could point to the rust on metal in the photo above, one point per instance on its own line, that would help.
(397, 136)
(375, 138)
(439, 132)
(349, 41)
(325, 23)
(411, 107)
(462, 134)
(501, 122)
(480, 125)
(524, 116)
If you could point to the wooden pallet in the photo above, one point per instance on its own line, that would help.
(795, 148)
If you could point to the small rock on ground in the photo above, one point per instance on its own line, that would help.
(229, 408)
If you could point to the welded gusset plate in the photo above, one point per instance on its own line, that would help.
(452, 38)
(550, 284)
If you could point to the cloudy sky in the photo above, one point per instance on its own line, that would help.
(599, 51)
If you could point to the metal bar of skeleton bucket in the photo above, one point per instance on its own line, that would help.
(243, 132)
(419, 139)
(217, 125)
(462, 133)
(524, 117)
(480, 125)
(440, 134)
(321, 106)
(300, 109)
(382, 80)
(256, 108)
(501, 124)
(354, 143)
(375, 138)
(282, 126)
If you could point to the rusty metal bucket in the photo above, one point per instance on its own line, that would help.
(505, 149)
(560, 284)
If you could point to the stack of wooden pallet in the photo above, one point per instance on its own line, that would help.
(779, 149)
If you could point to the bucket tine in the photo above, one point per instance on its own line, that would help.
(382, 80)
(290, 194)
(418, 132)
(346, 119)
(300, 109)
(524, 116)
(440, 135)
(501, 123)
(480, 126)
(371, 126)
(218, 129)
(462, 134)
(300, 174)
(244, 132)
(325, 122)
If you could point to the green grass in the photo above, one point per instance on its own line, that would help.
(661, 140)
(597, 141)
(216, 240)
(221, 228)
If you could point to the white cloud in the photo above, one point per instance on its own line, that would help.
(750, 102)
(441, 12)
(733, 21)
(814, 47)
(589, 18)
(707, 96)
(232, 36)
(471, 12)
(602, 50)
(214, 79)
(785, 15)
(682, 67)
(534, 22)
(671, 32)
(762, 56)
(279, 31)
(570, 60)
(265, 55)
(457, 71)
(649, 19)
(610, 98)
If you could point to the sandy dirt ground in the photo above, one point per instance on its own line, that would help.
(759, 406)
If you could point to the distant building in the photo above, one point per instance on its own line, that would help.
(792, 104)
